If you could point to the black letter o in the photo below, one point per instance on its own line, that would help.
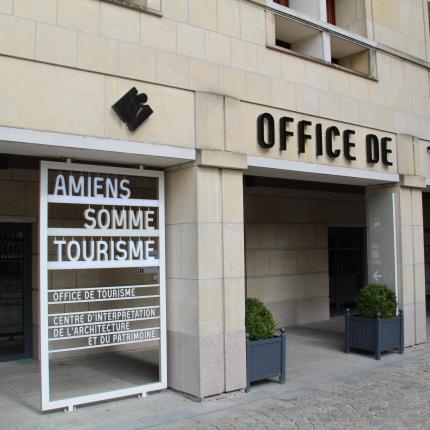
(271, 129)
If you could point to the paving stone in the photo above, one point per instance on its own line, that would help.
(348, 391)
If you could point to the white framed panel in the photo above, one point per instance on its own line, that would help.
(142, 246)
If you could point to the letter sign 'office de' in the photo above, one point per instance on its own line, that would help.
(331, 141)
(97, 309)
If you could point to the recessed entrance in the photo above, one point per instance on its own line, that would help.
(15, 291)
(305, 247)
(347, 266)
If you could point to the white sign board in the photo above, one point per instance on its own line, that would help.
(114, 226)
(381, 236)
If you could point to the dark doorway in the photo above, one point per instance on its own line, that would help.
(427, 260)
(15, 291)
(347, 266)
(426, 222)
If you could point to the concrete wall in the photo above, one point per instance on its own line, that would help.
(286, 241)
(351, 15)
(402, 25)
(214, 46)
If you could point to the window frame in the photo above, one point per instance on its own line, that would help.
(285, 3)
(331, 12)
(330, 30)
(131, 4)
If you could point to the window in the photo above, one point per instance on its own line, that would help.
(147, 5)
(309, 40)
(298, 37)
(428, 7)
(331, 13)
(350, 55)
(311, 8)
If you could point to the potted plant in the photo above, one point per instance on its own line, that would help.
(377, 327)
(265, 352)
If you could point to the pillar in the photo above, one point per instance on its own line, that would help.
(396, 252)
(396, 238)
(205, 263)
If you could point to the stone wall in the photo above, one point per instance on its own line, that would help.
(286, 241)
(351, 15)
(402, 25)
(216, 46)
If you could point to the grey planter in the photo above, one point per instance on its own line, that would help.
(266, 359)
(374, 334)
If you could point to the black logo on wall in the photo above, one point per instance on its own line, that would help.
(132, 110)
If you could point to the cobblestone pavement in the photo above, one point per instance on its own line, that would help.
(395, 397)
(325, 389)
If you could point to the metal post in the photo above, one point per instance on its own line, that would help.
(248, 384)
(347, 322)
(402, 337)
(378, 337)
(283, 355)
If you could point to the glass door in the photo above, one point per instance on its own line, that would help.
(347, 268)
(15, 291)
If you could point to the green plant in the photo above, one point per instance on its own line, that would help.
(376, 298)
(259, 321)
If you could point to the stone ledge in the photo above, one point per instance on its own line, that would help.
(221, 159)
(412, 181)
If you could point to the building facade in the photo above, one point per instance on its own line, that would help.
(293, 137)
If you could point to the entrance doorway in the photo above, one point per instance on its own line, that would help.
(15, 291)
(426, 225)
(347, 266)
(427, 258)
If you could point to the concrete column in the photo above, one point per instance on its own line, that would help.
(398, 259)
(233, 279)
(396, 251)
(205, 260)
(205, 280)
(412, 299)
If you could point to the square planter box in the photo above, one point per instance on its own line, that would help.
(266, 359)
(374, 334)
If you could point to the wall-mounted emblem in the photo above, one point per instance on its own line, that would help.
(132, 110)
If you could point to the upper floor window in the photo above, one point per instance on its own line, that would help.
(347, 14)
(428, 7)
(148, 5)
(328, 46)
(331, 12)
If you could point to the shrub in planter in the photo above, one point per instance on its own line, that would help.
(259, 321)
(377, 327)
(265, 352)
(376, 298)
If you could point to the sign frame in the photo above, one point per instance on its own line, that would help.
(44, 198)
